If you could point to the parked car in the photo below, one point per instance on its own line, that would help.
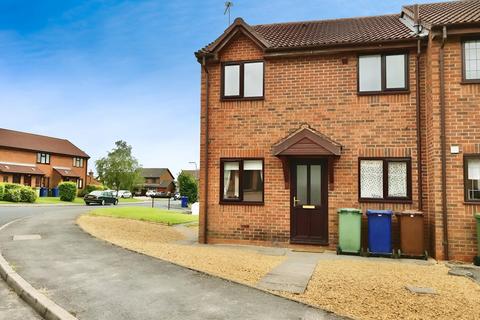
(100, 197)
(162, 194)
(177, 196)
(150, 193)
(124, 194)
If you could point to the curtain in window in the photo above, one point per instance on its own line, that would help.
(397, 179)
(371, 179)
(231, 180)
(474, 169)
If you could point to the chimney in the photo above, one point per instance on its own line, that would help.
(416, 18)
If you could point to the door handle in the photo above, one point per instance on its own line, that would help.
(295, 201)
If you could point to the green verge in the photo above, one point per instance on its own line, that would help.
(56, 200)
(167, 217)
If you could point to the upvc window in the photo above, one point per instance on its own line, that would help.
(471, 60)
(385, 179)
(78, 162)
(241, 181)
(243, 80)
(382, 72)
(43, 158)
(472, 178)
(80, 183)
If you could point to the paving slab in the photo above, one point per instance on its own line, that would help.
(420, 290)
(22, 237)
(292, 275)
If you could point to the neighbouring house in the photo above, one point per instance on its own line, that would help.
(157, 179)
(91, 180)
(300, 119)
(40, 161)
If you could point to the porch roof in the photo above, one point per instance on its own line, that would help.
(66, 172)
(17, 168)
(307, 142)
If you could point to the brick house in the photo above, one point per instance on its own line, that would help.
(40, 161)
(157, 179)
(301, 119)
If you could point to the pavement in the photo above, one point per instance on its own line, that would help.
(95, 280)
(12, 307)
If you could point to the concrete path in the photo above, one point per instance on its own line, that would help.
(293, 274)
(12, 307)
(95, 280)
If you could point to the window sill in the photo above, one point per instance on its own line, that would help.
(382, 93)
(406, 201)
(471, 202)
(239, 203)
(463, 82)
(223, 99)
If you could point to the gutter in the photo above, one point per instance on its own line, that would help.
(443, 144)
(205, 207)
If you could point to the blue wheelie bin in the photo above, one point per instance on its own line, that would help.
(43, 192)
(184, 202)
(55, 192)
(380, 232)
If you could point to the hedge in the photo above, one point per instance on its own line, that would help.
(89, 188)
(2, 191)
(68, 191)
(27, 194)
(17, 193)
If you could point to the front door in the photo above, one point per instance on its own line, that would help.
(309, 201)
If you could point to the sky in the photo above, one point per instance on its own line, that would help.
(98, 71)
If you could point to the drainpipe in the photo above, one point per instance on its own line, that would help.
(418, 109)
(205, 207)
(443, 144)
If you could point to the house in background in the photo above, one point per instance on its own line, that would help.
(300, 119)
(40, 161)
(91, 180)
(157, 179)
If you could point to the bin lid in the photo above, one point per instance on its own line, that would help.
(349, 210)
(384, 212)
(410, 213)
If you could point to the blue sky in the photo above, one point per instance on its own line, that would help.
(98, 71)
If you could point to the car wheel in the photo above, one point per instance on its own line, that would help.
(115, 203)
(103, 202)
(87, 203)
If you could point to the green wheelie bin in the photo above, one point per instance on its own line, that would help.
(477, 258)
(349, 231)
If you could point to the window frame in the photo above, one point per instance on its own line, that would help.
(464, 65)
(240, 201)
(80, 183)
(386, 198)
(467, 157)
(77, 160)
(45, 155)
(383, 75)
(240, 96)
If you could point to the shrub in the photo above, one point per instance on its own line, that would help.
(68, 191)
(14, 195)
(27, 194)
(476, 261)
(89, 188)
(2, 191)
(8, 189)
(188, 187)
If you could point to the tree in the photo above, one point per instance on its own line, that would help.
(119, 169)
(188, 186)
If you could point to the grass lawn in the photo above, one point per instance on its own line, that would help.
(168, 217)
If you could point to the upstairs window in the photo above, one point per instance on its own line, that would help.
(241, 181)
(243, 80)
(385, 179)
(471, 61)
(472, 178)
(78, 162)
(382, 73)
(43, 158)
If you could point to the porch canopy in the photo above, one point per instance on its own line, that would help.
(308, 143)
(66, 173)
(20, 169)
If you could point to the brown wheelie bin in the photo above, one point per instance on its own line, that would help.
(411, 234)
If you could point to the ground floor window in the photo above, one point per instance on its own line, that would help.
(241, 181)
(386, 179)
(38, 181)
(45, 182)
(80, 183)
(472, 177)
(16, 178)
(5, 178)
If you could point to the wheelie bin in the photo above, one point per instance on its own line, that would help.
(184, 202)
(55, 192)
(411, 234)
(477, 258)
(349, 231)
(380, 232)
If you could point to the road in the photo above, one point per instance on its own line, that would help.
(96, 280)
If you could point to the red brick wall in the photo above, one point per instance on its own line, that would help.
(320, 91)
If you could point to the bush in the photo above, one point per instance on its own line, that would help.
(14, 195)
(188, 187)
(8, 191)
(89, 188)
(2, 191)
(27, 194)
(476, 261)
(68, 191)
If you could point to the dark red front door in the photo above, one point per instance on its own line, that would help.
(309, 201)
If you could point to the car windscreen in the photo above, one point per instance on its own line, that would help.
(96, 193)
